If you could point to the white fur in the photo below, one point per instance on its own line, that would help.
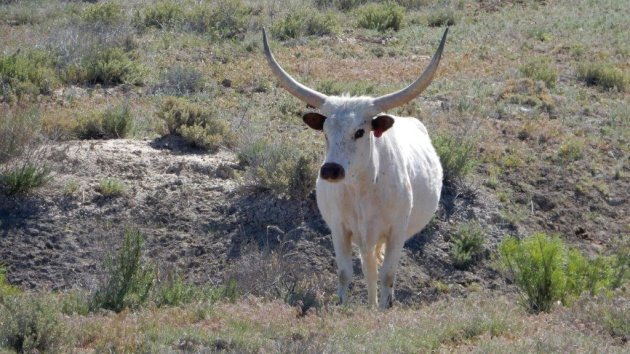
(390, 191)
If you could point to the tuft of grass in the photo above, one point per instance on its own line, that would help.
(117, 121)
(457, 154)
(305, 23)
(467, 245)
(607, 76)
(129, 278)
(571, 150)
(301, 181)
(196, 124)
(181, 80)
(24, 178)
(540, 69)
(6, 290)
(381, 17)
(30, 324)
(111, 187)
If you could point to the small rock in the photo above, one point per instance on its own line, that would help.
(226, 83)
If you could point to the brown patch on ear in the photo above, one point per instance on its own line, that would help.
(381, 123)
(314, 120)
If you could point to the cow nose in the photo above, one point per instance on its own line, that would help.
(332, 172)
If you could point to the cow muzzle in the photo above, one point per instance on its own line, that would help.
(332, 172)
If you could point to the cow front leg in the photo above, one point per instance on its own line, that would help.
(343, 257)
(393, 251)
(369, 266)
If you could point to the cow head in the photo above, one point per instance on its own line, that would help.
(350, 124)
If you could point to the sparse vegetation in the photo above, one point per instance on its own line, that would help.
(467, 245)
(305, 23)
(606, 76)
(540, 69)
(381, 17)
(457, 154)
(442, 17)
(18, 130)
(107, 66)
(129, 277)
(196, 124)
(24, 178)
(26, 73)
(111, 187)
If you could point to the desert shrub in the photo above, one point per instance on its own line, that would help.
(571, 150)
(111, 187)
(526, 91)
(280, 166)
(106, 13)
(30, 324)
(196, 124)
(467, 245)
(113, 123)
(23, 178)
(129, 278)
(6, 290)
(27, 73)
(546, 271)
(105, 65)
(305, 23)
(181, 80)
(339, 4)
(610, 313)
(18, 129)
(536, 267)
(606, 76)
(163, 14)
(540, 69)
(457, 154)
(225, 19)
(442, 17)
(381, 17)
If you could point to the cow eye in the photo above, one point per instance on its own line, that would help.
(359, 133)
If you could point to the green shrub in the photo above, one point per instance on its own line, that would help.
(113, 123)
(27, 73)
(196, 124)
(106, 13)
(117, 121)
(305, 23)
(546, 271)
(536, 267)
(111, 187)
(278, 165)
(163, 14)
(457, 154)
(443, 17)
(339, 4)
(606, 76)
(540, 69)
(129, 278)
(24, 178)
(108, 66)
(30, 324)
(467, 245)
(225, 19)
(381, 17)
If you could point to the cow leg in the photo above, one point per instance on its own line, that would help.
(369, 266)
(393, 251)
(343, 257)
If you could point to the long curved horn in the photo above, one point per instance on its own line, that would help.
(410, 92)
(308, 95)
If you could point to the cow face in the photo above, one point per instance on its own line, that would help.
(350, 138)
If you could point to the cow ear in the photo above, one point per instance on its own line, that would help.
(314, 120)
(381, 123)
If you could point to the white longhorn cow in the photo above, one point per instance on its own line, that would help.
(381, 180)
